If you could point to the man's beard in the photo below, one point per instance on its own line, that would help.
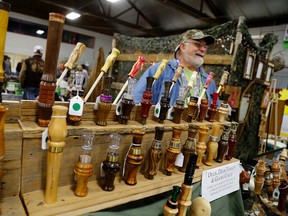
(196, 61)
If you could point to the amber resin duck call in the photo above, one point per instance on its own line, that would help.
(134, 158)
(57, 132)
(212, 145)
(171, 206)
(184, 200)
(48, 80)
(84, 168)
(193, 109)
(173, 150)
(155, 153)
(189, 145)
(146, 101)
(4, 17)
(111, 166)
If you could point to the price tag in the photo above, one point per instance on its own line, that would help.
(170, 113)
(76, 106)
(179, 160)
(44, 144)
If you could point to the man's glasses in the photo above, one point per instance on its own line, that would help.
(198, 44)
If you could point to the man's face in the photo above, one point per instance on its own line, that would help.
(194, 52)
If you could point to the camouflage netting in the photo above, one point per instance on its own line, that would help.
(225, 34)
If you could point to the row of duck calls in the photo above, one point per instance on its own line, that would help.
(222, 82)
(111, 166)
(134, 158)
(74, 56)
(127, 103)
(206, 85)
(189, 146)
(104, 105)
(232, 141)
(201, 144)
(84, 169)
(212, 145)
(164, 103)
(57, 131)
(223, 109)
(184, 200)
(48, 80)
(108, 63)
(223, 144)
(76, 103)
(213, 108)
(136, 67)
(173, 150)
(179, 106)
(146, 101)
(159, 70)
(4, 17)
(171, 206)
(259, 178)
(155, 153)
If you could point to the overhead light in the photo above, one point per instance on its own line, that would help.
(112, 1)
(40, 32)
(73, 16)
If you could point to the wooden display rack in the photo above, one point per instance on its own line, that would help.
(30, 169)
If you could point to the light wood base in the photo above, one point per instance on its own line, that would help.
(97, 199)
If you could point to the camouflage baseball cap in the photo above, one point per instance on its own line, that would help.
(195, 34)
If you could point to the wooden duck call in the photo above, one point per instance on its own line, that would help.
(232, 141)
(184, 200)
(223, 110)
(57, 132)
(155, 153)
(4, 17)
(283, 189)
(136, 67)
(191, 83)
(259, 178)
(146, 101)
(74, 56)
(206, 85)
(213, 108)
(108, 63)
(134, 158)
(275, 167)
(177, 74)
(164, 103)
(189, 146)
(282, 163)
(212, 145)
(268, 185)
(201, 144)
(48, 80)
(223, 144)
(160, 70)
(171, 206)
(222, 81)
(84, 168)
(203, 110)
(173, 150)
(193, 109)
(179, 106)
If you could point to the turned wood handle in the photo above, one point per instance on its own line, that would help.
(75, 54)
(160, 69)
(178, 73)
(110, 60)
(154, 158)
(136, 67)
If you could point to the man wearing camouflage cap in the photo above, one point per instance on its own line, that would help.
(190, 53)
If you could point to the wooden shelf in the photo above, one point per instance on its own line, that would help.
(97, 199)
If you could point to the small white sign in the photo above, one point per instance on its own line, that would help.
(220, 181)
